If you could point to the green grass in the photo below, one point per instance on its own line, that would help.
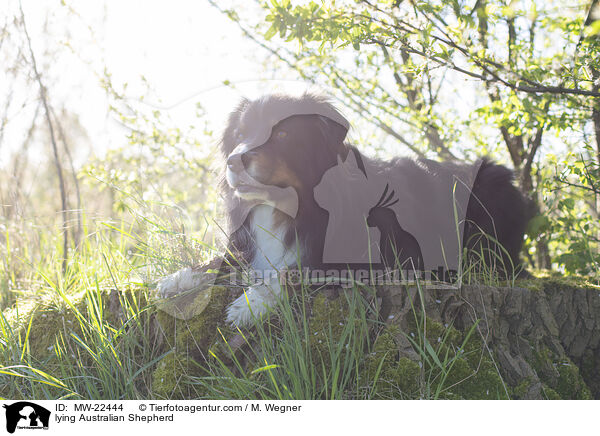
(59, 335)
(90, 332)
(294, 355)
(292, 358)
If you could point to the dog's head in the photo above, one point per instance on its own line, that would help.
(281, 141)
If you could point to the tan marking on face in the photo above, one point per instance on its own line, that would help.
(272, 171)
(283, 175)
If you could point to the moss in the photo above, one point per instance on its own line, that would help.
(590, 363)
(436, 333)
(326, 325)
(468, 367)
(520, 391)
(560, 375)
(549, 393)
(48, 319)
(385, 346)
(169, 380)
(467, 370)
(47, 324)
(190, 323)
(328, 316)
(190, 327)
(381, 373)
(553, 281)
(570, 385)
(386, 375)
(58, 319)
(472, 374)
(407, 374)
(482, 383)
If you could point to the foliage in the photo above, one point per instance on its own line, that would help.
(574, 193)
(72, 337)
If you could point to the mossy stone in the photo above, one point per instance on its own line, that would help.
(190, 322)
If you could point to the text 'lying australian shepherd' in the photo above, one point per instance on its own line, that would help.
(299, 197)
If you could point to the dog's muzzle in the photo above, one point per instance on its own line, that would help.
(235, 163)
(237, 175)
(250, 189)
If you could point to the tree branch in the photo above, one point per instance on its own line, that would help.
(61, 182)
(522, 84)
(431, 131)
(63, 139)
(358, 108)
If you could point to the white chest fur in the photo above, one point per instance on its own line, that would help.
(271, 252)
(271, 256)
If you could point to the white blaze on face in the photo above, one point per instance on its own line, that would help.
(234, 178)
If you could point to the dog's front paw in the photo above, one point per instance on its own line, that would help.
(181, 281)
(254, 303)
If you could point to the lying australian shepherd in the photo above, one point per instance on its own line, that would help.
(298, 195)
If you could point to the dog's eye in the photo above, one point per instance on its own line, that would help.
(281, 134)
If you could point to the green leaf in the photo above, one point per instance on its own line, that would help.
(271, 32)
(593, 29)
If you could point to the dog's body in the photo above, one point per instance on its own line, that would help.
(281, 152)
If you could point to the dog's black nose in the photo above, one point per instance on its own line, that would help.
(234, 162)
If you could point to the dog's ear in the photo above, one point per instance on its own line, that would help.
(230, 137)
(334, 134)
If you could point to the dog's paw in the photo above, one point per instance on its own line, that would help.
(181, 281)
(254, 303)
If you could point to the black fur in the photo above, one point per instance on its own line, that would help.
(497, 209)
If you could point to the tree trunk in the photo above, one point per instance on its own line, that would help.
(542, 340)
(539, 341)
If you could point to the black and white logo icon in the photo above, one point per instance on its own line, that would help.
(26, 415)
